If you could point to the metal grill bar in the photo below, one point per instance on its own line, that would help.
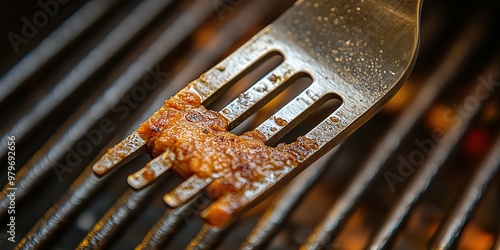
(450, 65)
(54, 219)
(54, 44)
(129, 28)
(423, 177)
(206, 238)
(166, 225)
(452, 226)
(116, 218)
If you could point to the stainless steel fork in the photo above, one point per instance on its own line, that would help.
(356, 51)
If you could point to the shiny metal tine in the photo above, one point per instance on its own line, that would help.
(222, 76)
(293, 112)
(186, 190)
(451, 228)
(434, 84)
(121, 153)
(151, 171)
(257, 95)
(54, 44)
(421, 179)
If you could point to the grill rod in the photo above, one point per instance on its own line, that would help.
(116, 217)
(167, 224)
(117, 39)
(54, 44)
(402, 126)
(424, 175)
(206, 238)
(474, 191)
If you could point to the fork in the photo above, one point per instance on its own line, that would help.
(356, 51)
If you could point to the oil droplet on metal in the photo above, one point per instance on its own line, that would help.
(226, 111)
(149, 175)
(220, 68)
(280, 121)
(274, 78)
(334, 119)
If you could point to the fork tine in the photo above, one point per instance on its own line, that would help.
(291, 114)
(210, 84)
(219, 212)
(153, 169)
(186, 190)
(121, 153)
(258, 94)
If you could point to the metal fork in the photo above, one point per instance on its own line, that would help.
(356, 51)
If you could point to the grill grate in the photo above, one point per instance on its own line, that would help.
(148, 38)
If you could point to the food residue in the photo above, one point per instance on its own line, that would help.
(202, 146)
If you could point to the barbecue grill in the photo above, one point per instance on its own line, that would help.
(78, 76)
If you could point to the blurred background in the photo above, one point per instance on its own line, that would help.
(70, 68)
